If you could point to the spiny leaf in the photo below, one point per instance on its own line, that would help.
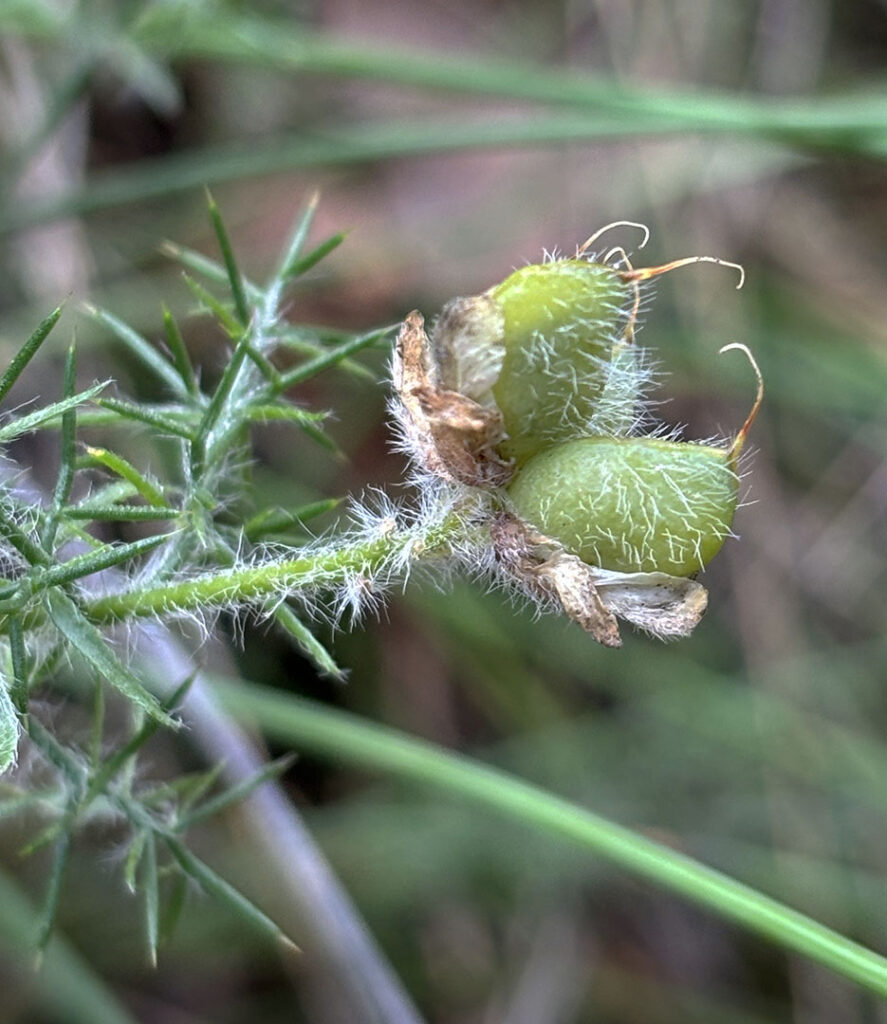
(50, 907)
(151, 891)
(225, 892)
(120, 758)
(30, 550)
(26, 352)
(67, 461)
(179, 351)
(268, 370)
(235, 280)
(307, 643)
(218, 309)
(18, 689)
(278, 520)
(217, 403)
(24, 424)
(167, 422)
(317, 344)
(107, 494)
(171, 910)
(196, 785)
(133, 858)
(121, 513)
(94, 648)
(294, 249)
(235, 794)
(95, 561)
(210, 269)
(300, 266)
(117, 464)
(330, 358)
(323, 439)
(144, 351)
(284, 411)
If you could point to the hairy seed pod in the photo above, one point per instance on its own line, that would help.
(631, 504)
(561, 322)
(538, 347)
(635, 504)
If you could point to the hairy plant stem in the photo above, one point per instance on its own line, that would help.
(325, 569)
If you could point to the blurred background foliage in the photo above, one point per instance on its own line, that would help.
(454, 141)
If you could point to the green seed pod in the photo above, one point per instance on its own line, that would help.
(551, 348)
(561, 322)
(631, 504)
(537, 347)
(634, 504)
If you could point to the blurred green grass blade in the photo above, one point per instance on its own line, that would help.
(235, 280)
(142, 349)
(67, 988)
(25, 424)
(153, 179)
(94, 648)
(226, 893)
(852, 122)
(271, 43)
(63, 99)
(24, 355)
(853, 119)
(124, 469)
(345, 737)
(327, 359)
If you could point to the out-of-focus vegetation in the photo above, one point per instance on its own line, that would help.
(453, 142)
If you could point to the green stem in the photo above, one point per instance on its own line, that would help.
(327, 569)
(344, 737)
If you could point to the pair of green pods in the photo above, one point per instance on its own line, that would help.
(568, 382)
